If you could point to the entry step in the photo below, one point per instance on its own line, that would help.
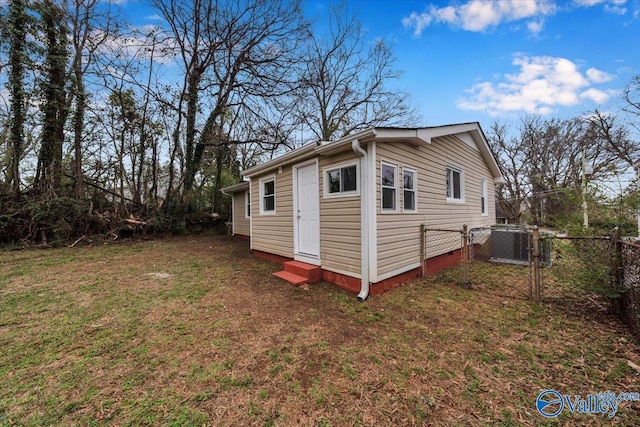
(313, 273)
(294, 279)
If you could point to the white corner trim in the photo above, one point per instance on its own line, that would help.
(372, 212)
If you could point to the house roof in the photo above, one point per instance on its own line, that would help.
(415, 136)
(241, 186)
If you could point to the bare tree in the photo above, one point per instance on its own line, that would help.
(345, 80)
(228, 50)
(544, 162)
(512, 153)
(631, 97)
(85, 19)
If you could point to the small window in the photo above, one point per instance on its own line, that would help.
(341, 180)
(268, 195)
(247, 202)
(484, 198)
(409, 189)
(455, 186)
(389, 185)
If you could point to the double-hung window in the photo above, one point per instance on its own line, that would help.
(341, 180)
(484, 206)
(455, 184)
(389, 185)
(409, 189)
(268, 195)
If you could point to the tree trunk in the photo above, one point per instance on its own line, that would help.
(17, 59)
(55, 108)
(78, 128)
(191, 165)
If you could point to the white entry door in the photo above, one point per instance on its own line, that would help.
(306, 212)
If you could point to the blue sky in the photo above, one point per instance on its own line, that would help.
(482, 60)
(486, 60)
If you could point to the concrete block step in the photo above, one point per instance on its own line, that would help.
(294, 279)
(313, 273)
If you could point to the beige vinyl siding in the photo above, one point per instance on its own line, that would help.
(339, 223)
(241, 224)
(274, 233)
(398, 241)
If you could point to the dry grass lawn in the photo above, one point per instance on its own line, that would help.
(195, 331)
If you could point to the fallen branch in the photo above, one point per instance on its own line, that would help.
(134, 221)
(77, 241)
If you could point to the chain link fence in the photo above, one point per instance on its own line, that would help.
(582, 267)
(630, 280)
(595, 273)
(495, 259)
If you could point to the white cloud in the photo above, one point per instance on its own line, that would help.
(479, 15)
(417, 21)
(535, 27)
(542, 84)
(136, 45)
(598, 76)
(596, 95)
(611, 6)
(618, 10)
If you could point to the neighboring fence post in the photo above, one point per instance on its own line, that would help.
(423, 249)
(618, 272)
(536, 265)
(465, 255)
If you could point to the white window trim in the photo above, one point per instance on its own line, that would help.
(325, 181)
(247, 204)
(261, 183)
(414, 189)
(462, 178)
(484, 196)
(396, 187)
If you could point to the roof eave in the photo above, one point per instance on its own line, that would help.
(290, 157)
(241, 186)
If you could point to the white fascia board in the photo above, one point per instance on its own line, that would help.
(474, 129)
(344, 143)
(487, 155)
(427, 134)
(294, 156)
(241, 186)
